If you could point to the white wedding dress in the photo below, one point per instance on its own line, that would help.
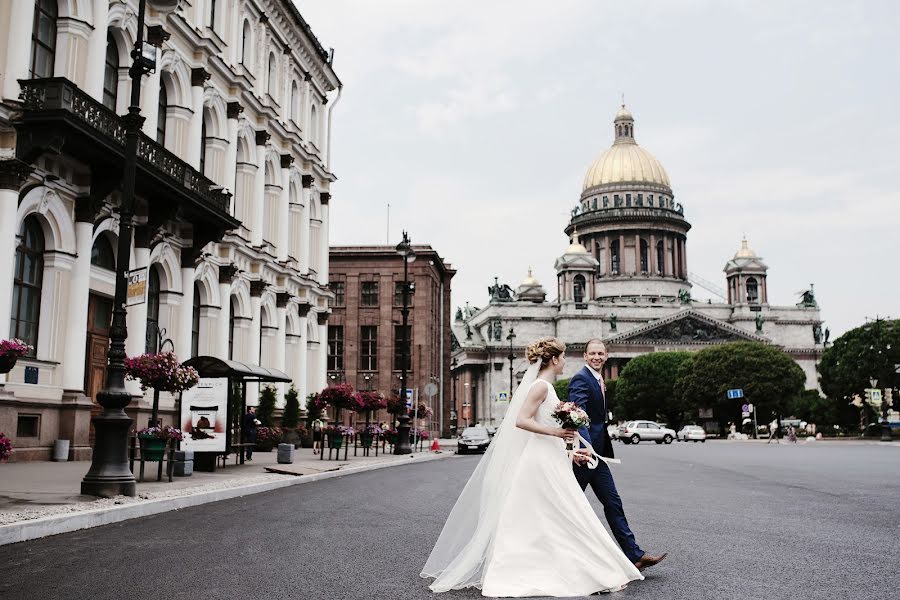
(534, 532)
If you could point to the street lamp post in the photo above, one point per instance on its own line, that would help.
(404, 249)
(455, 380)
(110, 474)
(511, 336)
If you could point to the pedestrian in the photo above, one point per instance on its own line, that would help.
(248, 431)
(733, 434)
(792, 434)
(317, 427)
(773, 431)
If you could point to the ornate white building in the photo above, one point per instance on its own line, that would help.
(232, 189)
(624, 279)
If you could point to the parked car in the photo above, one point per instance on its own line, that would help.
(492, 431)
(691, 433)
(473, 439)
(613, 432)
(634, 432)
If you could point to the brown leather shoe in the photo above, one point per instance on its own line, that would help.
(648, 560)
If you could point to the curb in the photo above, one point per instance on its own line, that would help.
(55, 525)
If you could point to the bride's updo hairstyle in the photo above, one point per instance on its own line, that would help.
(544, 350)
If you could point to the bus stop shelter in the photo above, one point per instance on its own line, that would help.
(239, 375)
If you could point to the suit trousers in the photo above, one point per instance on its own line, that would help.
(601, 481)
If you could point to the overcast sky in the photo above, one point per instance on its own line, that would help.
(477, 120)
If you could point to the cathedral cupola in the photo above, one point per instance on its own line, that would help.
(746, 277)
(576, 273)
(531, 290)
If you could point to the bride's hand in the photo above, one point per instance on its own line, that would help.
(566, 434)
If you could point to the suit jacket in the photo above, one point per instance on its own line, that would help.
(585, 391)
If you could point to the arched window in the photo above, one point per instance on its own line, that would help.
(195, 323)
(111, 74)
(43, 38)
(246, 40)
(152, 310)
(273, 77)
(313, 125)
(645, 256)
(752, 290)
(102, 254)
(614, 256)
(203, 145)
(294, 94)
(161, 114)
(578, 288)
(232, 319)
(27, 282)
(660, 258)
(212, 14)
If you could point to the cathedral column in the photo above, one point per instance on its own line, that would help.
(79, 291)
(684, 266)
(652, 265)
(303, 259)
(259, 191)
(324, 198)
(281, 300)
(233, 112)
(195, 126)
(621, 254)
(608, 240)
(226, 276)
(284, 217)
(96, 54)
(18, 52)
(678, 271)
(300, 378)
(322, 366)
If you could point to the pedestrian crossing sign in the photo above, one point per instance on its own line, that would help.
(502, 396)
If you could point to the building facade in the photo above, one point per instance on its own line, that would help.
(232, 195)
(624, 278)
(365, 333)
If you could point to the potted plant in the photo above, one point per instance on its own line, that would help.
(366, 402)
(267, 438)
(5, 447)
(161, 372)
(336, 435)
(367, 435)
(155, 439)
(339, 396)
(10, 351)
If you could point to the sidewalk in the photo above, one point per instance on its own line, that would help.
(42, 498)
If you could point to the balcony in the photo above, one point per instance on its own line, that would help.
(58, 117)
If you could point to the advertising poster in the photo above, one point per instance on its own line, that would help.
(204, 414)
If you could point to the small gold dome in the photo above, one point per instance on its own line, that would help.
(576, 248)
(745, 251)
(530, 280)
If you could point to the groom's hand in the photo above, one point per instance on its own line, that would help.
(581, 457)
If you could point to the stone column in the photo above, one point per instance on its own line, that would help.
(322, 366)
(684, 266)
(637, 253)
(12, 175)
(234, 112)
(608, 241)
(195, 127)
(226, 276)
(622, 254)
(305, 110)
(256, 291)
(302, 362)
(79, 290)
(284, 217)
(303, 259)
(324, 197)
(651, 256)
(150, 103)
(259, 191)
(18, 50)
(184, 335)
(281, 300)
(96, 54)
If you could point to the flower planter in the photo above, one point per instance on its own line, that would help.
(7, 362)
(366, 440)
(153, 449)
(336, 441)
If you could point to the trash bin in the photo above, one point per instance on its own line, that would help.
(61, 450)
(285, 454)
(184, 463)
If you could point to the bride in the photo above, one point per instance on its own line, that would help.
(522, 526)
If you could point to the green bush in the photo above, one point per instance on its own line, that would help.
(291, 416)
(265, 412)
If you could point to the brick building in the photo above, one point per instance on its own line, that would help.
(364, 330)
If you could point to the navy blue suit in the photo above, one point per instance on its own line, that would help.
(585, 391)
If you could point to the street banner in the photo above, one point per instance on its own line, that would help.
(137, 287)
(204, 415)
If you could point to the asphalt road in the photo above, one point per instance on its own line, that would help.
(740, 521)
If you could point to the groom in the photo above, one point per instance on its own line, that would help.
(587, 390)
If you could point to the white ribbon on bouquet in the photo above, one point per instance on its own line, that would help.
(579, 443)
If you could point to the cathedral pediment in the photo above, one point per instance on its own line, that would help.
(687, 327)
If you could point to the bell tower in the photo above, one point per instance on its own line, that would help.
(746, 277)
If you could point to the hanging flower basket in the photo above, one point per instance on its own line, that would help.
(161, 371)
(5, 447)
(10, 352)
(421, 411)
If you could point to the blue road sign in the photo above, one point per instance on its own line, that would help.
(732, 394)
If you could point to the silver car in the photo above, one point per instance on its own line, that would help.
(635, 432)
(691, 433)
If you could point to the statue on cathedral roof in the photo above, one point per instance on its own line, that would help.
(501, 292)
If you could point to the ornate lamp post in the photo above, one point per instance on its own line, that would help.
(110, 474)
(404, 249)
(511, 336)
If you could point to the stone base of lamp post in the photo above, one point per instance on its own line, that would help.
(403, 429)
(110, 473)
(886, 432)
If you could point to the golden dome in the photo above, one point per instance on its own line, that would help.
(745, 251)
(530, 280)
(626, 162)
(576, 248)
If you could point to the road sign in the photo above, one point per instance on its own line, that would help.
(745, 414)
(137, 287)
(738, 393)
(502, 396)
(430, 389)
(745, 408)
(749, 408)
(874, 396)
(410, 394)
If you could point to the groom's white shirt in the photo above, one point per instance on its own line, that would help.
(599, 379)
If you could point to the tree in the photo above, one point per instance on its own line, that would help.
(810, 406)
(646, 388)
(291, 416)
(769, 377)
(562, 389)
(867, 352)
(265, 412)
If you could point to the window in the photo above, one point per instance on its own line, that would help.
(161, 114)
(195, 323)
(27, 282)
(640, 200)
(645, 256)
(43, 38)
(402, 345)
(212, 14)
(369, 294)
(605, 201)
(232, 319)
(246, 40)
(313, 125)
(28, 426)
(152, 311)
(627, 199)
(614, 256)
(578, 287)
(617, 200)
(650, 200)
(337, 288)
(102, 255)
(203, 146)
(594, 203)
(368, 348)
(335, 348)
(660, 258)
(111, 74)
(752, 290)
(398, 293)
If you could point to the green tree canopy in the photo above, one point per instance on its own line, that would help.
(265, 412)
(646, 388)
(291, 416)
(769, 377)
(562, 388)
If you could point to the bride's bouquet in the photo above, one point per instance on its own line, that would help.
(570, 417)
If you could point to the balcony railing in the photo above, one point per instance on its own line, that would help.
(60, 94)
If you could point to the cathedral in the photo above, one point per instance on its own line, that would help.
(623, 279)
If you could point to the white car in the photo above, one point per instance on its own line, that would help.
(691, 433)
(635, 432)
